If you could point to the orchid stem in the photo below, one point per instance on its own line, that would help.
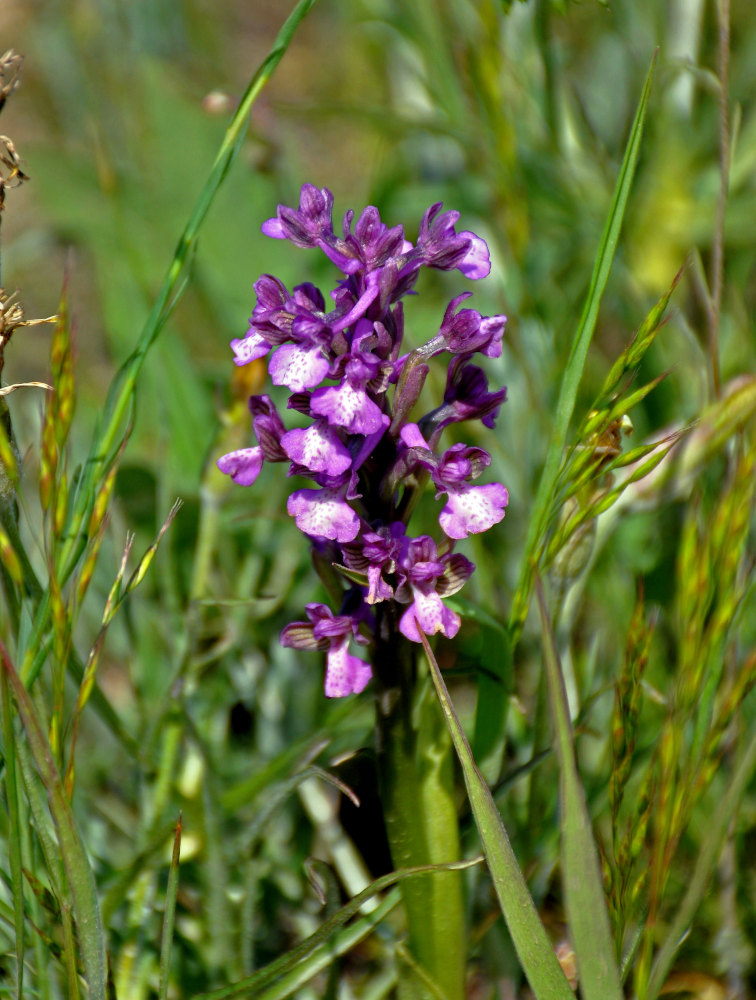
(417, 788)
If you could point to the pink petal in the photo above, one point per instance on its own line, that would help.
(249, 348)
(243, 465)
(473, 509)
(350, 407)
(317, 448)
(324, 513)
(476, 263)
(432, 616)
(345, 674)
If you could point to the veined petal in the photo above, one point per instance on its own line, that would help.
(473, 509)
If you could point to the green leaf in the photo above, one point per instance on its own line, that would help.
(587, 915)
(81, 883)
(534, 949)
(574, 368)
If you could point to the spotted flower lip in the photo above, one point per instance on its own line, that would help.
(356, 386)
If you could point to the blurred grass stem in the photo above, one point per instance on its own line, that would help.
(717, 257)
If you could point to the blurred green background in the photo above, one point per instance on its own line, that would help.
(516, 116)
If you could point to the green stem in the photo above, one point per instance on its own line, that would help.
(417, 788)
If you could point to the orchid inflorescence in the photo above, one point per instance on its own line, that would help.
(368, 461)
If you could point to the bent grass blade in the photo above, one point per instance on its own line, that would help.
(534, 949)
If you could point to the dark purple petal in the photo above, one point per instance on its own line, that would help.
(457, 572)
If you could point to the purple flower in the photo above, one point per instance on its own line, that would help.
(244, 464)
(308, 226)
(425, 579)
(380, 552)
(467, 396)
(347, 378)
(469, 509)
(466, 332)
(441, 247)
(345, 674)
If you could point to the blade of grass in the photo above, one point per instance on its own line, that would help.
(576, 361)
(81, 883)
(14, 838)
(706, 862)
(587, 915)
(534, 949)
(166, 944)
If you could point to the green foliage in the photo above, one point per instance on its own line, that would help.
(142, 676)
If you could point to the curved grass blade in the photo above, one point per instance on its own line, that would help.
(81, 881)
(587, 915)
(166, 944)
(534, 949)
(706, 862)
(329, 940)
(574, 368)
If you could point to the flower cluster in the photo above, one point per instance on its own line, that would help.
(346, 374)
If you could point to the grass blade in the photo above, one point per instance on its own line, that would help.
(166, 944)
(587, 916)
(534, 949)
(81, 881)
(14, 838)
(297, 966)
(574, 368)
